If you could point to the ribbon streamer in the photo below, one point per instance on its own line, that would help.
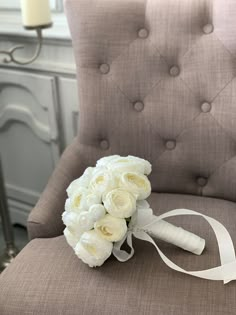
(143, 221)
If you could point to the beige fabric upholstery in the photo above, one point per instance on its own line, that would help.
(156, 79)
(45, 218)
(177, 57)
(47, 278)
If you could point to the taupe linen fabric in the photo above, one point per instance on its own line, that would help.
(156, 79)
(138, 69)
(47, 278)
(45, 218)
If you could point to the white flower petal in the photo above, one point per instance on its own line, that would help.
(106, 160)
(120, 203)
(92, 249)
(110, 228)
(68, 205)
(72, 239)
(97, 212)
(136, 183)
(85, 221)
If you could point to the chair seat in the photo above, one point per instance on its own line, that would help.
(47, 278)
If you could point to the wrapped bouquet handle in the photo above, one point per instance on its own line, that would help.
(139, 229)
(177, 236)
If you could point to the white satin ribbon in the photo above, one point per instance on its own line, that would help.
(143, 220)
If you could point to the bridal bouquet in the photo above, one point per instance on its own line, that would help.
(107, 206)
(107, 202)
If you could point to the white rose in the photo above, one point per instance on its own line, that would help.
(97, 212)
(110, 228)
(89, 200)
(92, 249)
(78, 200)
(82, 181)
(71, 238)
(106, 160)
(147, 166)
(120, 203)
(92, 198)
(137, 184)
(130, 164)
(78, 222)
(82, 199)
(67, 205)
(142, 204)
(102, 182)
(69, 217)
(85, 221)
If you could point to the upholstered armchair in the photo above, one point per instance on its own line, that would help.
(156, 79)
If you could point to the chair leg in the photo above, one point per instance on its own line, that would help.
(10, 251)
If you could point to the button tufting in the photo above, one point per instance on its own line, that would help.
(208, 28)
(143, 33)
(174, 71)
(138, 106)
(206, 107)
(104, 144)
(170, 144)
(104, 68)
(202, 181)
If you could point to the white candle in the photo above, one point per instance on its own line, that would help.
(36, 13)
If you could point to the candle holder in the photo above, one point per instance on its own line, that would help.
(10, 53)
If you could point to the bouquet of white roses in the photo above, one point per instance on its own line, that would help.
(107, 204)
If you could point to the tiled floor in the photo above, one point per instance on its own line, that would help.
(20, 234)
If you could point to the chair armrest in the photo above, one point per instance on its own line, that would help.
(44, 220)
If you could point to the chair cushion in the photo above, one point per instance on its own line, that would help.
(47, 278)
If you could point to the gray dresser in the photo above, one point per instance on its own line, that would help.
(38, 107)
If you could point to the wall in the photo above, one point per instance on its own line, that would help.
(38, 106)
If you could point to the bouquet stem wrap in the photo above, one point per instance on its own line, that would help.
(139, 228)
(177, 236)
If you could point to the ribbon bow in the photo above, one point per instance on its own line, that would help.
(144, 219)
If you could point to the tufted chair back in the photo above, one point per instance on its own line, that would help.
(156, 79)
